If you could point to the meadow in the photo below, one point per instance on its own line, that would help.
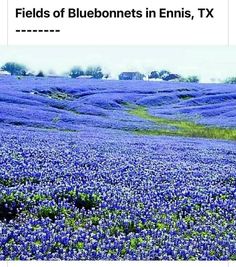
(117, 170)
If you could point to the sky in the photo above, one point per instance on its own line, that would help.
(210, 63)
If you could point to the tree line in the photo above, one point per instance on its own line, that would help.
(96, 72)
(21, 70)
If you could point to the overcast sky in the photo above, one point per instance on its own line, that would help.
(208, 62)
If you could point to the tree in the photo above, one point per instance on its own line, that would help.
(163, 74)
(171, 77)
(231, 80)
(190, 79)
(154, 75)
(40, 74)
(95, 72)
(15, 68)
(76, 72)
(106, 76)
(131, 75)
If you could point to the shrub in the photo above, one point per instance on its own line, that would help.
(95, 72)
(81, 200)
(231, 80)
(40, 74)
(9, 204)
(76, 72)
(134, 242)
(163, 74)
(79, 245)
(87, 201)
(190, 79)
(154, 75)
(48, 212)
(14, 68)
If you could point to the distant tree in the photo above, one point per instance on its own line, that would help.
(106, 76)
(163, 74)
(190, 79)
(171, 77)
(231, 80)
(95, 72)
(40, 74)
(131, 75)
(76, 72)
(154, 75)
(15, 68)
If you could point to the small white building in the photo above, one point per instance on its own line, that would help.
(154, 80)
(4, 73)
(84, 77)
(55, 76)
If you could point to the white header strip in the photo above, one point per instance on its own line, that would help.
(30, 29)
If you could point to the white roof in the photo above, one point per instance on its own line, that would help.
(3, 72)
(155, 79)
(84, 77)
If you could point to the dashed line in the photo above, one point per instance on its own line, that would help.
(37, 30)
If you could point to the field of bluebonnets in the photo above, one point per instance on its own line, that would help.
(114, 170)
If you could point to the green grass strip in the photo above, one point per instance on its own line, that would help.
(181, 127)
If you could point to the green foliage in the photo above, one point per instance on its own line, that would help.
(185, 97)
(125, 227)
(115, 230)
(128, 227)
(192, 258)
(79, 245)
(14, 68)
(231, 80)
(154, 75)
(12, 198)
(39, 197)
(95, 220)
(71, 222)
(73, 193)
(87, 201)
(175, 217)
(48, 212)
(230, 181)
(58, 95)
(189, 219)
(162, 226)
(81, 200)
(140, 205)
(190, 79)
(212, 253)
(181, 127)
(38, 243)
(224, 196)
(163, 74)
(8, 198)
(94, 71)
(6, 182)
(233, 257)
(112, 251)
(134, 242)
(123, 251)
(36, 227)
(76, 72)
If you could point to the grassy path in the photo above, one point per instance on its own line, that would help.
(181, 127)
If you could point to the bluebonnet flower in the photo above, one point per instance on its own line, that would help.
(82, 187)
